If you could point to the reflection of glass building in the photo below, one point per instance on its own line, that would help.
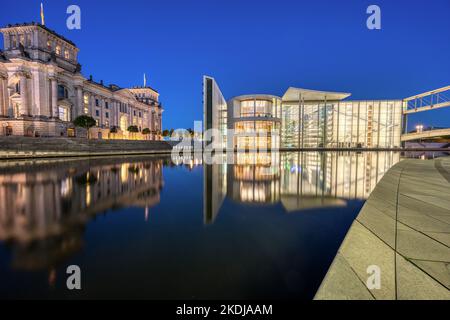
(254, 178)
(303, 119)
(297, 180)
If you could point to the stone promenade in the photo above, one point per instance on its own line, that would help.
(404, 229)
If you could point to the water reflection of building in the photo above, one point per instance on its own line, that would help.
(45, 207)
(255, 178)
(297, 180)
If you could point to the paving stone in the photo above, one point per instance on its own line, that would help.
(414, 284)
(440, 271)
(382, 225)
(415, 245)
(441, 237)
(342, 283)
(362, 249)
(421, 221)
(421, 236)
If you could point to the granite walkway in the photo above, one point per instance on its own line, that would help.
(404, 230)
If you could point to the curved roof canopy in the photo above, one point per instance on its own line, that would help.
(294, 94)
(255, 96)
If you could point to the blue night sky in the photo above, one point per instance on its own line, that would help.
(256, 46)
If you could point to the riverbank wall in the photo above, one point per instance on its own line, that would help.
(26, 147)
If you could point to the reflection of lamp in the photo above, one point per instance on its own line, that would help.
(146, 213)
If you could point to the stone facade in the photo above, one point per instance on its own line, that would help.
(42, 91)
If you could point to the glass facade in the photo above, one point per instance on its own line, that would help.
(343, 124)
(256, 134)
(302, 119)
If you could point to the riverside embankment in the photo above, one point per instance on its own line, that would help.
(25, 147)
(401, 238)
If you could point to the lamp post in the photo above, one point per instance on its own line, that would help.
(419, 128)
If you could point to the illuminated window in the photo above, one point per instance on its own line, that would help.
(64, 113)
(49, 45)
(123, 123)
(58, 50)
(16, 110)
(86, 103)
(67, 54)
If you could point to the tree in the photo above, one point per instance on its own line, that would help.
(166, 133)
(133, 130)
(86, 122)
(146, 131)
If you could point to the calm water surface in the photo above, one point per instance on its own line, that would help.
(267, 226)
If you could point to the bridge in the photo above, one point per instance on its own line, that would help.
(430, 100)
(425, 135)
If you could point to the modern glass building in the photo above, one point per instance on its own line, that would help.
(302, 118)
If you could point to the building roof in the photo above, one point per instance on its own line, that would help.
(146, 87)
(293, 94)
(255, 96)
(28, 24)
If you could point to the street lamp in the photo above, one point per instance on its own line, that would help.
(419, 128)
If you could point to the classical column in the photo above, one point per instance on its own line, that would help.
(102, 112)
(54, 97)
(23, 96)
(152, 124)
(114, 108)
(92, 105)
(2, 96)
(80, 102)
(9, 106)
